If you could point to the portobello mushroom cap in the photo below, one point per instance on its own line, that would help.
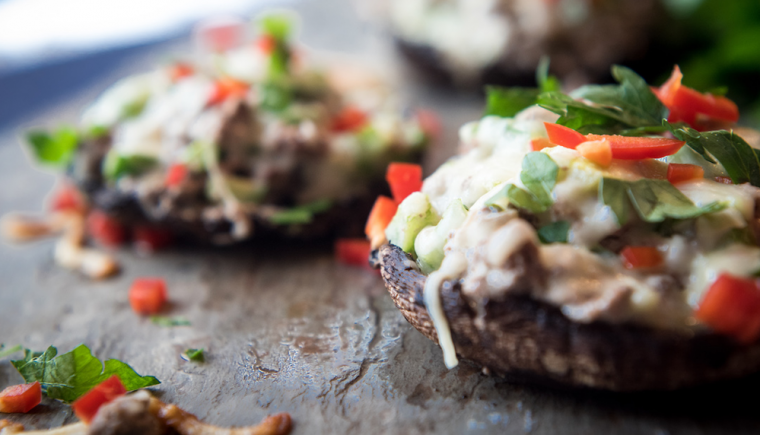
(527, 340)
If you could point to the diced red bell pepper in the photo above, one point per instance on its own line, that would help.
(105, 229)
(564, 136)
(623, 147)
(429, 122)
(151, 239)
(179, 71)
(598, 151)
(680, 172)
(147, 295)
(724, 180)
(353, 252)
(20, 398)
(540, 143)
(349, 119)
(67, 198)
(732, 306)
(686, 103)
(381, 215)
(641, 257)
(87, 406)
(266, 44)
(225, 88)
(175, 175)
(638, 148)
(404, 179)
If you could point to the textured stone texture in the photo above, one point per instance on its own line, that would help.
(287, 329)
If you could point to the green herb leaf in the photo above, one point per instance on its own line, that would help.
(739, 159)
(196, 355)
(653, 200)
(54, 149)
(277, 25)
(555, 232)
(508, 102)
(613, 193)
(167, 322)
(546, 82)
(275, 95)
(302, 214)
(637, 104)
(581, 116)
(10, 350)
(116, 166)
(539, 175)
(67, 377)
(656, 200)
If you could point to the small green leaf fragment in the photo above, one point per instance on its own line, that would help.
(54, 149)
(303, 214)
(613, 193)
(508, 102)
(196, 355)
(555, 232)
(168, 322)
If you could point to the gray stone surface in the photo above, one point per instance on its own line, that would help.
(288, 329)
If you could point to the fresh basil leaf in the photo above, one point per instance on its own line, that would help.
(67, 377)
(116, 166)
(613, 193)
(638, 106)
(581, 116)
(303, 214)
(6, 351)
(168, 322)
(277, 25)
(508, 102)
(275, 96)
(653, 200)
(54, 149)
(539, 175)
(546, 82)
(555, 232)
(524, 199)
(656, 200)
(738, 158)
(196, 355)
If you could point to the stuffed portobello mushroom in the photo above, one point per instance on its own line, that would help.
(608, 238)
(247, 139)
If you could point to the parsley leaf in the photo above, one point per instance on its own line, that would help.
(637, 105)
(54, 149)
(10, 350)
(555, 232)
(546, 82)
(538, 175)
(196, 355)
(613, 193)
(303, 214)
(116, 166)
(739, 159)
(168, 322)
(508, 102)
(653, 200)
(68, 376)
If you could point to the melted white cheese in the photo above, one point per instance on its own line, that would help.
(453, 265)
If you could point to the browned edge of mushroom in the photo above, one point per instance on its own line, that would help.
(527, 340)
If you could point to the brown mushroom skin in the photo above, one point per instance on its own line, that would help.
(527, 340)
